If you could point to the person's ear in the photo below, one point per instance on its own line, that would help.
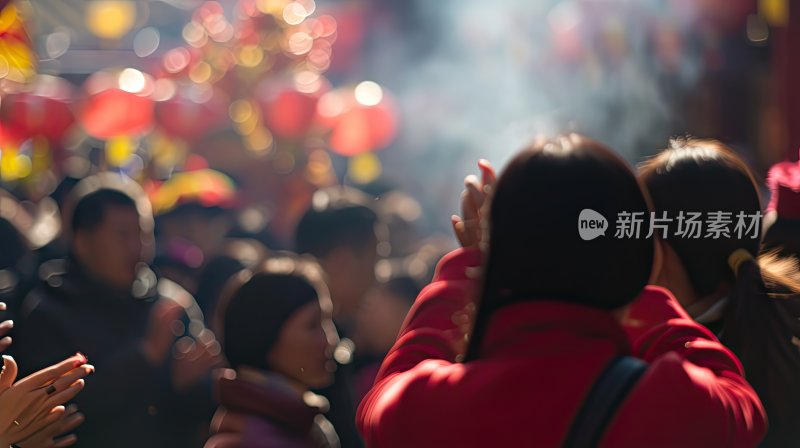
(658, 261)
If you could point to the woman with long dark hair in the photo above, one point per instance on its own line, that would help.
(748, 300)
(278, 337)
(546, 362)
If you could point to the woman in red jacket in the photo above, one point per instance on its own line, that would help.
(550, 289)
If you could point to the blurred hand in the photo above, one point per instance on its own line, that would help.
(194, 360)
(30, 409)
(474, 206)
(63, 421)
(160, 338)
(5, 327)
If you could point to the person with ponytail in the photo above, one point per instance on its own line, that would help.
(540, 333)
(748, 300)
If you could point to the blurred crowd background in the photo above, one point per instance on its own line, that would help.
(236, 117)
(376, 93)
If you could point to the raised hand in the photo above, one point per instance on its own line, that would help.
(194, 359)
(31, 408)
(160, 338)
(60, 422)
(474, 206)
(5, 327)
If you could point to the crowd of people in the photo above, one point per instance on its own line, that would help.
(676, 324)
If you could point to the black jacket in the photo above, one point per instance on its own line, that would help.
(127, 401)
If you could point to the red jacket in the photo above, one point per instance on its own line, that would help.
(539, 360)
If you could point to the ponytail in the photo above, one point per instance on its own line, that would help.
(776, 276)
(781, 275)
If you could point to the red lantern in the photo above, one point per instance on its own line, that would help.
(117, 104)
(43, 110)
(9, 137)
(288, 113)
(194, 112)
(358, 125)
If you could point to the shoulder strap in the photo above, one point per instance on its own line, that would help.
(605, 397)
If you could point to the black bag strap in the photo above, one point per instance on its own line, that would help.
(605, 397)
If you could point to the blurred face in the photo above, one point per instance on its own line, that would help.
(305, 347)
(111, 251)
(351, 274)
(671, 274)
(379, 320)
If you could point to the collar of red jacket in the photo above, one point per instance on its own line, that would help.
(541, 326)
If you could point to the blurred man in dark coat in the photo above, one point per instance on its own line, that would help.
(103, 301)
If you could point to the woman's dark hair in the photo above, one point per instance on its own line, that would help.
(535, 249)
(702, 176)
(783, 236)
(699, 175)
(258, 304)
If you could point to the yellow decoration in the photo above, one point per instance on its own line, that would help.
(119, 151)
(110, 19)
(8, 17)
(14, 166)
(17, 61)
(364, 168)
(775, 12)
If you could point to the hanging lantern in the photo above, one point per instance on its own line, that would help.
(117, 104)
(361, 120)
(41, 110)
(288, 112)
(193, 112)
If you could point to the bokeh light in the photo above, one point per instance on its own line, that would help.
(110, 19)
(131, 80)
(56, 44)
(146, 42)
(368, 93)
(364, 168)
